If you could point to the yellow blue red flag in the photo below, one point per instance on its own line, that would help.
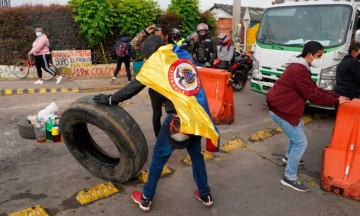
(172, 72)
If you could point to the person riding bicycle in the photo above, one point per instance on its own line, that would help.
(204, 51)
(40, 49)
(226, 50)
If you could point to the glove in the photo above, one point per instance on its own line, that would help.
(207, 64)
(103, 99)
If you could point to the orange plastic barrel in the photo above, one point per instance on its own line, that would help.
(219, 94)
(341, 159)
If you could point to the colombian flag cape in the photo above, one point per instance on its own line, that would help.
(171, 72)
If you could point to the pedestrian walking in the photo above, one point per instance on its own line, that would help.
(124, 53)
(286, 101)
(41, 51)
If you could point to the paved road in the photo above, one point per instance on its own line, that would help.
(244, 182)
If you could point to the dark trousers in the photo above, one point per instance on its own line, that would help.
(42, 61)
(119, 61)
(157, 101)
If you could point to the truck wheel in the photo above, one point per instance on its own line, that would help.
(26, 129)
(116, 123)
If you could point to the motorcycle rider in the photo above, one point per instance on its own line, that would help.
(225, 51)
(176, 37)
(188, 43)
(204, 51)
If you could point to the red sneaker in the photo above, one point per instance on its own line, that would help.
(139, 198)
(206, 200)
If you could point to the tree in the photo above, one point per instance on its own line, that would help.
(135, 15)
(188, 11)
(95, 18)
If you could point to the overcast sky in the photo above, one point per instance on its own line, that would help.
(204, 4)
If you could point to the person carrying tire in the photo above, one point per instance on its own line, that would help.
(170, 71)
(204, 51)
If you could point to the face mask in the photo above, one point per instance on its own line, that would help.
(316, 63)
(38, 34)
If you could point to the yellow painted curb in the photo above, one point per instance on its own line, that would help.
(53, 90)
(232, 145)
(75, 90)
(143, 175)
(307, 120)
(261, 135)
(31, 90)
(64, 89)
(8, 91)
(95, 193)
(207, 156)
(20, 91)
(42, 90)
(35, 211)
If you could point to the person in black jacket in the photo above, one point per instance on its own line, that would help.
(348, 73)
(204, 51)
(164, 145)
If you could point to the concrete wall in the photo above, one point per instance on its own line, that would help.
(75, 64)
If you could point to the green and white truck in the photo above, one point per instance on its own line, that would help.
(285, 28)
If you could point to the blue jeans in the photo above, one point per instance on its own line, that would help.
(162, 152)
(296, 146)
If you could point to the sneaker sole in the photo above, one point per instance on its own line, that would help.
(292, 187)
(285, 161)
(209, 204)
(141, 207)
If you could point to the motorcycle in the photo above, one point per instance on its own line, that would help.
(239, 67)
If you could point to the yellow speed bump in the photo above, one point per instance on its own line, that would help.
(35, 211)
(95, 193)
(307, 120)
(232, 145)
(279, 130)
(143, 175)
(261, 135)
(207, 156)
(20, 91)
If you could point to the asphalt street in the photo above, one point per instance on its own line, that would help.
(243, 182)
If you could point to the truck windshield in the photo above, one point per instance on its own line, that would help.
(294, 26)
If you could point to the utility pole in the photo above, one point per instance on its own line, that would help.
(236, 20)
(4, 3)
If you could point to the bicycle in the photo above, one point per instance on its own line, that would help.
(23, 67)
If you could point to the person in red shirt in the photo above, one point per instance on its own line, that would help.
(286, 101)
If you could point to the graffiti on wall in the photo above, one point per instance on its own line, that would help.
(77, 64)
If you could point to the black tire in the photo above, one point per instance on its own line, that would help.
(118, 125)
(239, 80)
(21, 69)
(26, 129)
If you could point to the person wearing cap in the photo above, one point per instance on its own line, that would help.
(166, 143)
(348, 73)
(40, 49)
(286, 101)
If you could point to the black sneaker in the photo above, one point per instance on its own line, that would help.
(296, 185)
(206, 200)
(285, 159)
(139, 198)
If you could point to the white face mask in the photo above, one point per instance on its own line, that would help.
(38, 34)
(316, 63)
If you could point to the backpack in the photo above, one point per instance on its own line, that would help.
(122, 49)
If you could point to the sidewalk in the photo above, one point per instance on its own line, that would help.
(27, 86)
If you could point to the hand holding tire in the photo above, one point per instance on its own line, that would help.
(103, 99)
